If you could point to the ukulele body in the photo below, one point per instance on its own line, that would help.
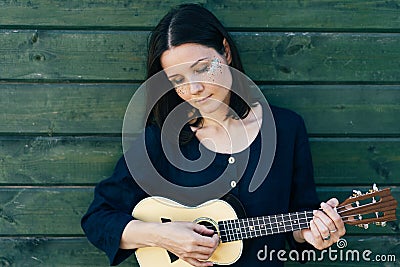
(159, 209)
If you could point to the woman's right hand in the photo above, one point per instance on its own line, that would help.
(191, 242)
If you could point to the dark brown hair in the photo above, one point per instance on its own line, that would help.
(190, 23)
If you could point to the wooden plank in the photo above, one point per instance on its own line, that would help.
(87, 160)
(274, 57)
(78, 252)
(63, 251)
(57, 109)
(356, 161)
(342, 109)
(57, 161)
(64, 108)
(312, 14)
(64, 55)
(39, 211)
(57, 211)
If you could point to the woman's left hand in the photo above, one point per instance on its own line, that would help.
(326, 226)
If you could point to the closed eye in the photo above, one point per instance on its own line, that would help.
(177, 81)
(202, 70)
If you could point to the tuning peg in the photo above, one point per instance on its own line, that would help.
(383, 224)
(356, 193)
(365, 226)
(375, 188)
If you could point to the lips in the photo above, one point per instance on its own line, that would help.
(201, 100)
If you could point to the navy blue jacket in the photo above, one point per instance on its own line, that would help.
(289, 186)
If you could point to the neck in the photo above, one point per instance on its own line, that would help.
(232, 230)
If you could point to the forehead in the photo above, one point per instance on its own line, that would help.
(185, 53)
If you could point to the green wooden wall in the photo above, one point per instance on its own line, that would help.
(69, 68)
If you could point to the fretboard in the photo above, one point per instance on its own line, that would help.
(232, 230)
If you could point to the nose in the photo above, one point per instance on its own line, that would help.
(195, 88)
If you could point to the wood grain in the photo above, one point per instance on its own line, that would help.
(247, 14)
(99, 108)
(267, 56)
(51, 251)
(86, 160)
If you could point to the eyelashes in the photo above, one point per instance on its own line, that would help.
(211, 69)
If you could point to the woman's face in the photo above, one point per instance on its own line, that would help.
(200, 76)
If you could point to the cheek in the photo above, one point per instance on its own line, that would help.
(183, 92)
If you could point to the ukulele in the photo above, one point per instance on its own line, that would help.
(221, 217)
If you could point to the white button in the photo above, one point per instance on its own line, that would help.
(231, 160)
(233, 184)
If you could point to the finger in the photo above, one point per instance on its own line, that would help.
(333, 202)
(207, 251)
(322, 228)
(197, 263)
(334, 217)
(202, 250)
(201, 229)
(199, 256)
(325, 219)
(209, 242)
(317, 241)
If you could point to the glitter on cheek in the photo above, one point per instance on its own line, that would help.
(180, 91)
(214, 67)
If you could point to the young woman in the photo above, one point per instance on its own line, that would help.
(191, 47)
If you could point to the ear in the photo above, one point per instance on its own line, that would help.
(227, 49)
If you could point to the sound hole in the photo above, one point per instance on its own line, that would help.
(207, 223)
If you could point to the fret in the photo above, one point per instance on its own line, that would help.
(223, 231)
(258, 226)
(227, 231)
(270, 225)
(252, 228)
(286, 222)
(277, 223)
(241, 229)
(297, 221)
(305, 222)
(232, 225)
(291, 223)
(264, 226)
(273, 223)
(244, 228)
(238, 230)
(283, 223)
(307, 219)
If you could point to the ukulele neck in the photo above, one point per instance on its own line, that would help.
(239, 229)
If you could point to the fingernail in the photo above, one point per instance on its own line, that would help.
(314, 212)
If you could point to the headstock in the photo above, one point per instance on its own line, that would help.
(376, 206)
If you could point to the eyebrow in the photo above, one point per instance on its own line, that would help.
(191, 66)
(194, 64)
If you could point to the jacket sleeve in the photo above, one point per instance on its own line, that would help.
(111, 208)
(110, 212)
(303, 190)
